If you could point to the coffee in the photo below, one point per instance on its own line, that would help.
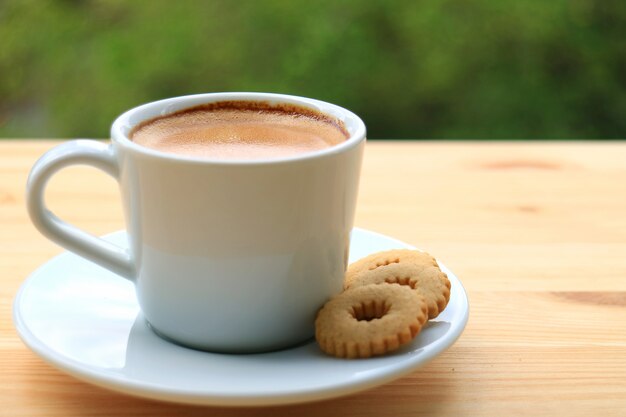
(241, 130)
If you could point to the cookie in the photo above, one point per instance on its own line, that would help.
(370, 320)
(383, 259)
(428, 281)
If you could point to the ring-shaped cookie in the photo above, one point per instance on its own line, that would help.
(428, 281)
(370, 320)
(380, 260)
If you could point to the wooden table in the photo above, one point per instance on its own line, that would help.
(536, 231)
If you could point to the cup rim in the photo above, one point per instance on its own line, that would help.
(131, 118)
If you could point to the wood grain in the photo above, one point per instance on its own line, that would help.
(535, 230)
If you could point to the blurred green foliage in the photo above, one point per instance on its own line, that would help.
(411, 68)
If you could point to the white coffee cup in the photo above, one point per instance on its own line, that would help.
(231, 256)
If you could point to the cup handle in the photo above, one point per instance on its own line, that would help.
(95, 249)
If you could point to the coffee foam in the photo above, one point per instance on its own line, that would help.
(240, 130)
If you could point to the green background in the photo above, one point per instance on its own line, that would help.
(455, 69)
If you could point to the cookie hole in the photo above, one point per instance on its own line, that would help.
(370, 311)
(387, 262)
(402, 281)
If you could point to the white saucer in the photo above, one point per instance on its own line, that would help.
(85, 321)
